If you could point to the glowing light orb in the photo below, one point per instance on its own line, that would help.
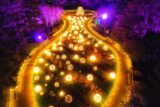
(105, 48)
(96, 45)
(45, 85)
(97, 98)
(100, 42)
(76, 57)
(104, 16)
(52, 67)
(82, 60)
(75, 48)
(68, 62)
(68, 78)
(68, 99)
(37, 88)
(70, 45)
(57, 57)
(90, 77)
(61, 93)
(81, 48)
(60, 48)
(47, 77)
(48, 53)
(56, 84)
(62, 73)
(64, 57)
(95, 68)
(70, 67)
(41, 60)
(112, 75)
(36, 69)
(92, 58)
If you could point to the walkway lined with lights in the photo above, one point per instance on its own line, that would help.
(77, 68)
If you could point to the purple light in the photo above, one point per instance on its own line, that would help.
(39, 37)
(104, 16)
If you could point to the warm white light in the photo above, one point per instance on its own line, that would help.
(96, 45)
(95, 68)
(76, 56)
(61, 93)
(75, 32)
(105, 48)
(100, 42)
(75, 48)
(47, 77)
(52, 67)
(68, 77)
(68, 62)
(82, 60)
(90, 77)
(56, 84)
(48, 53)
(41, 60)
(45, 85)
(54, 48)
(81, 48)
(97, 98)
(112, 75)
(70, 67)
(57, 57)
(64, 57)
(92, 58)
(37, 88)
(70, 45)
(36, 69)
(60, 48)
(68, 99)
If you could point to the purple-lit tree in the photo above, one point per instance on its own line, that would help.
(15, 24)
(51, 14)
(136, 19)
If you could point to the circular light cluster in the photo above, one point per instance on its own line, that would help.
(70, 65)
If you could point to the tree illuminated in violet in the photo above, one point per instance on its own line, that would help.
(50, 14)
